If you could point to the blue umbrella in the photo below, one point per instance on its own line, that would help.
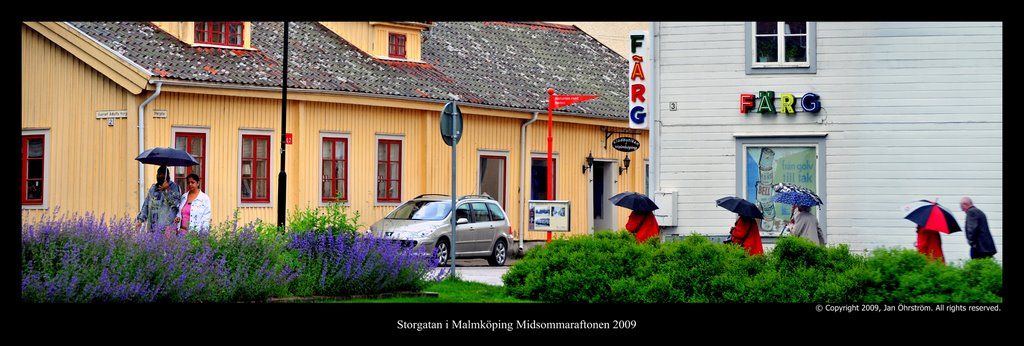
(634, 201)
(167, 157)
(796, 195)
(740, 206)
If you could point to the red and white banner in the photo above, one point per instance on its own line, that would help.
(559, 101)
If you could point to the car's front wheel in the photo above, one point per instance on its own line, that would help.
(499, 254)
(441, 250)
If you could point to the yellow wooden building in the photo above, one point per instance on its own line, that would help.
(363, 113)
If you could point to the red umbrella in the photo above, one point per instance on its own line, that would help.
(931, 215)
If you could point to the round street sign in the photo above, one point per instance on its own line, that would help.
(625, 144)
(449, 115)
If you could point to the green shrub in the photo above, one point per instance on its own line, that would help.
(333, 217)
(612, 267)
(906, 276)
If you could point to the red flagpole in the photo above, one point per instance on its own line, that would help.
(551, 95)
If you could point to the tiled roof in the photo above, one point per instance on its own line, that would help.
(493, 64)
(513, 64)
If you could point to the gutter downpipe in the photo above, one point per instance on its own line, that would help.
(654, 135)
(142, 140)
(522, 180)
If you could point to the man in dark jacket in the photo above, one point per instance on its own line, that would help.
(976, 228)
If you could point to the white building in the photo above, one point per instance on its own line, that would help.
(908, 111)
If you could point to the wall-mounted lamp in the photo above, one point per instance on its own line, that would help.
(625, 165)
(589, 163)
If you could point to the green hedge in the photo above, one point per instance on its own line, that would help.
(612, 267)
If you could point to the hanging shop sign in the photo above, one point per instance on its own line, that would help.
(639, 64)
(625, 144)
(765, 103)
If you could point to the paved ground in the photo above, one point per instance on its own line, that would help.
(477, 270)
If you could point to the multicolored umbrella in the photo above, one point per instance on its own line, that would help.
(796, 195)
(931, 215)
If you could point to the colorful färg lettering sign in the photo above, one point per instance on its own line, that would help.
(639, 68)
(764, 103)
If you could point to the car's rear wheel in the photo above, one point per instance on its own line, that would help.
(499, 253)
(441, 250)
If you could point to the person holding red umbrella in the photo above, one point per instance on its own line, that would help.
(929, 244)
(931, 218)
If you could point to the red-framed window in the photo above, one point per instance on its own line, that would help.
(334, 165)
(389, 170)
(32, 159)
(220, 33)
(255, 168)
(195, 144)
(396, 45)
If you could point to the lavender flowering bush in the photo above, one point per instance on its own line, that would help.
(257, 261)
(364, 264)
(72, 258)
(89, 259)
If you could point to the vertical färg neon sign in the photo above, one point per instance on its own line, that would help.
(638, 64)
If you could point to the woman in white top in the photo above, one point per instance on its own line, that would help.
(194, 209)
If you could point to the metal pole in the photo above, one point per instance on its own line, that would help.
(282, 177)
(551, 96)
(455, 136)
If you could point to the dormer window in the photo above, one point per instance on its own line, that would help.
(220, 33)
(396, 45)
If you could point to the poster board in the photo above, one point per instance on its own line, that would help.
(549, 216)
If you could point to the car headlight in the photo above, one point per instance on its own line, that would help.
(423, 233)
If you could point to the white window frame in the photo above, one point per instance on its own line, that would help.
(348, 173)
(238, 168)
(479, 189)
(47, 162)
(781, 66)
(401, 189)
(815, 140)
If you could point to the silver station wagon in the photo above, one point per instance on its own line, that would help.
(482, 229)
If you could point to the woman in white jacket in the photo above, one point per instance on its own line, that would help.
(194, 209)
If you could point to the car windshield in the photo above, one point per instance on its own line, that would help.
(422, 210)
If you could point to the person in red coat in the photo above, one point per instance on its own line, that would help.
(642, 224)
(746, 233)
(929, 243)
